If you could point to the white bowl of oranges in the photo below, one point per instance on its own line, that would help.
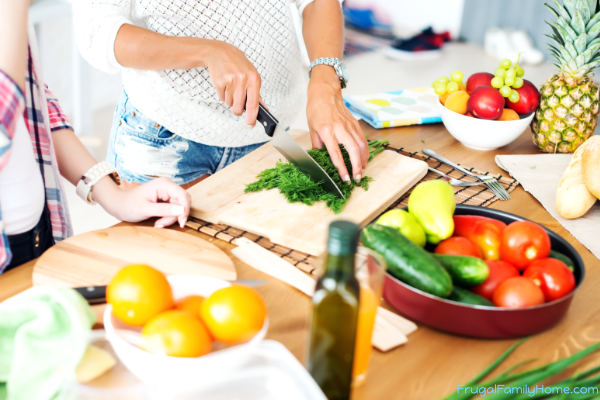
(184, 331)
(490, 110)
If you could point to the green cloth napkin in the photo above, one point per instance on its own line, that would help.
(43, 334)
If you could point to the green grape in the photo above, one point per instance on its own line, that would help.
(457, 76)
(439, 88)
(452, 86)
(499, 72)
(505, 91)
(497, 82)
(505, 63)
(509, 80)
(514, 96)
(518, 83)
(510, 73)
(519, 70)
(442, 79)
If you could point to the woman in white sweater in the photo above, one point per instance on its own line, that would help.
(192, 68)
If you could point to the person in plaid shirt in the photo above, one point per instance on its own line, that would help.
(37, 143)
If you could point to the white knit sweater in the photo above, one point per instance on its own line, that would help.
(184, 101)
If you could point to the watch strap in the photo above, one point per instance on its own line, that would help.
(334, 62)
(91, 177)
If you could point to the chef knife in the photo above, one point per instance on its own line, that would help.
(97, 294)
(293, 152)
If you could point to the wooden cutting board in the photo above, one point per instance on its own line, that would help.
(220, 198)
(93, 258)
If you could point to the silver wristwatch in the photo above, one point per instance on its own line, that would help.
(92, 176)
(337, 65)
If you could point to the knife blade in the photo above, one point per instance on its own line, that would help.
(293, 152)
(97, 294)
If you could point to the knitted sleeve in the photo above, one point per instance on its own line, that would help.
(96, 25)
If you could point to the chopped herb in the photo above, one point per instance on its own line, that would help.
(297, 187)
(423, 141)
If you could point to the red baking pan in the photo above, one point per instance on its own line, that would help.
(483, 321)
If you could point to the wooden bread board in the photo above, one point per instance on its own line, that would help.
(220, 199)
(93, 258)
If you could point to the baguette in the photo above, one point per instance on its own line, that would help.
(591, 165)
(573, 199)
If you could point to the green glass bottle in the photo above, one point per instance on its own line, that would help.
(335, 314)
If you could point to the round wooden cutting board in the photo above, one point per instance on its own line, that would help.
(93, 258)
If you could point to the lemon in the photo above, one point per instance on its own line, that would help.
(405, 223)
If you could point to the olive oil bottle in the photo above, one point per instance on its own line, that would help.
(335, 314)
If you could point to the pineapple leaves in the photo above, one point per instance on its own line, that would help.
(594, 31)
(556, 35)
(590, 24)
(577, 21)
(565, 29)
(581, 43)
(561, 10)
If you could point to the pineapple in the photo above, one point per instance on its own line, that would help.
(568, 110)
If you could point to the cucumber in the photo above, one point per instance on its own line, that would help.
(407, 261)
(464, 270)
(466, 296)
(563, 258)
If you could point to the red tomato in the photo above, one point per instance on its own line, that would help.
(459, 246)
(517, 292)
(552, 276)
(499, 272)
(523, 242)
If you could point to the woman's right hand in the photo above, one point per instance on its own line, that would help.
(235, 78)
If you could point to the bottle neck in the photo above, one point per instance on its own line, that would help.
(339, 265)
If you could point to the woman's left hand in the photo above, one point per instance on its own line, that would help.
(331, 124)
(160, 197)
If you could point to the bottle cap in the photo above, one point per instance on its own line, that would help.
(343, 238)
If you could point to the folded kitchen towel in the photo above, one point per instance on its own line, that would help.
(43, 335)
(539, 175)
(397, 108)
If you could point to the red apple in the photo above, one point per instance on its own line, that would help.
(486, 103)
(529, 99)
(479, 79)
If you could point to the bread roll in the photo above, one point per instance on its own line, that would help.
(591, 165)
(573, 199)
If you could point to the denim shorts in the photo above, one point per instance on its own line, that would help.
(140, 149)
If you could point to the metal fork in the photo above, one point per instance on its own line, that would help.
(489, 181)
(454, 181)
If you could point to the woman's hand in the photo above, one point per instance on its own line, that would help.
(160, 197)
(235, 78)
(331, 123)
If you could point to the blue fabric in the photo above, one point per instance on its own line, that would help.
(141, 149)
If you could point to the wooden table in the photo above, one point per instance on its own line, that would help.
(432, 363)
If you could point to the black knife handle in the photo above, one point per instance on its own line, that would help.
(93, 294)
(267, 120)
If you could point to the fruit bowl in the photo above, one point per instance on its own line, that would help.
(483, 321)
(482, 134)
(159, 369)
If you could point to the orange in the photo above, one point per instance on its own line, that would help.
(457, 101)
(190, 304)
(137, 293)
(508, 114)
(234, 314)
(177, 333)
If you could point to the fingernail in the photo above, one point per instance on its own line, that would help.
(159, 225)
(357, 178)
(346, 178)
(177, 210)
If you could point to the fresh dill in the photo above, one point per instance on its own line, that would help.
(298, 187)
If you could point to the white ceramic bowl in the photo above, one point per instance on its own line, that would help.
(157, 369)
(482, 134)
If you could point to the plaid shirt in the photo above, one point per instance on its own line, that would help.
(42, 114)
